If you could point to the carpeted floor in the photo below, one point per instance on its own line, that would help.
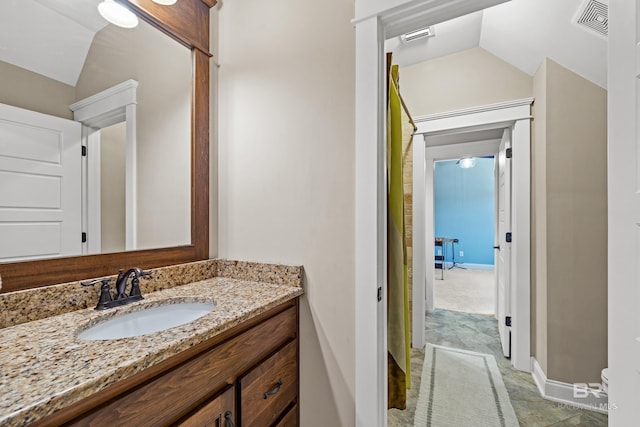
(469, 291)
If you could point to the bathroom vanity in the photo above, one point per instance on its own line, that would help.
(245, 376)
(235, 366)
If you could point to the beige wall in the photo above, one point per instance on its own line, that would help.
(112, 195)
(576, 169)
(466, 79)
(286, 171)
(163, 69)
(539, 218)
(25, 89)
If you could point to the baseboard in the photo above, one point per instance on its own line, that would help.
(469, 266)
(564, 393)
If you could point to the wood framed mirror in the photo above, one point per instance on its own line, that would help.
(187, 21)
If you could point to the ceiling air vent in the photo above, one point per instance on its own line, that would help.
(593, 15)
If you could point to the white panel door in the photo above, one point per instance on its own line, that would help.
(40, 181)
(503, 258)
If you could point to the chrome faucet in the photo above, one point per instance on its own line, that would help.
(121, 298)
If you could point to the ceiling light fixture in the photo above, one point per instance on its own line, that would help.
(466, 162)
(117, 14)
(165, 2)
(418, 34)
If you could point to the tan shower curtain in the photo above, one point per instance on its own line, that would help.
(400, 128)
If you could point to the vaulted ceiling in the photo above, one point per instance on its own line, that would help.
(49, 37)
(522, 33)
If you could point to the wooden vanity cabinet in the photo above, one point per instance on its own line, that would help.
(218, 412)
(269, 389)
(247, 376)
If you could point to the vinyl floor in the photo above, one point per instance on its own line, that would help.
(479, 333)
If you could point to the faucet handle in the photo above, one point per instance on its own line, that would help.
(104, 280)
(144, 273)
(105, 292)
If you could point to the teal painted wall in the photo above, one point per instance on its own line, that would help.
(464, 209)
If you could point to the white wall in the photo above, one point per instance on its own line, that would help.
(286, 173)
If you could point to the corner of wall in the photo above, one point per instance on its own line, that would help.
(573, 261)
(538, 218)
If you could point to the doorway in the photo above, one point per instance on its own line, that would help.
(112, 112)
(376, 22)
(464, 218)
(441, 140)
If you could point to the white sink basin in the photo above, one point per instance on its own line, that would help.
(147, 321)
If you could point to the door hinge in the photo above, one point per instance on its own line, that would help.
(84, 151)
(507, 320)
(509, 153)
(508, 237)
(379, 293)
(84, 237)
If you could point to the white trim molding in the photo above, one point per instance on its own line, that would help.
(113, 105)
(557, 391)
(515, 115)
(107, 107)
(484, 117)
(474, 110)
(370, 228)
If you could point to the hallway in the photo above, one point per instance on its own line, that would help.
(480, 333)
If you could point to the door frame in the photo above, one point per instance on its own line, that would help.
(425, 213)
(515, 115)
(376, 21)
(113, 105)
(623, 183)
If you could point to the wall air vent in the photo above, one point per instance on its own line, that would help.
(593, 15)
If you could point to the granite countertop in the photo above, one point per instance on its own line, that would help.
(44, 367)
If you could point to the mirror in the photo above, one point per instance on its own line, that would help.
(60, 61)
(186, 22)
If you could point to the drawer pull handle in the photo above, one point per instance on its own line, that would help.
(229, 417)
(273, 390)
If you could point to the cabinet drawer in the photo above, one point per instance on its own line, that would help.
(268, 389)
(290, 419)
(215, 413)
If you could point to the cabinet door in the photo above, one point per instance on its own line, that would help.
(267, 390)
(290, 419)
(218, 412)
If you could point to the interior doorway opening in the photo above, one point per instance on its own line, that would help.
(482, 131)
(464, 223)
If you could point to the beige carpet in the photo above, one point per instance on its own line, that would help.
(469, 291)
